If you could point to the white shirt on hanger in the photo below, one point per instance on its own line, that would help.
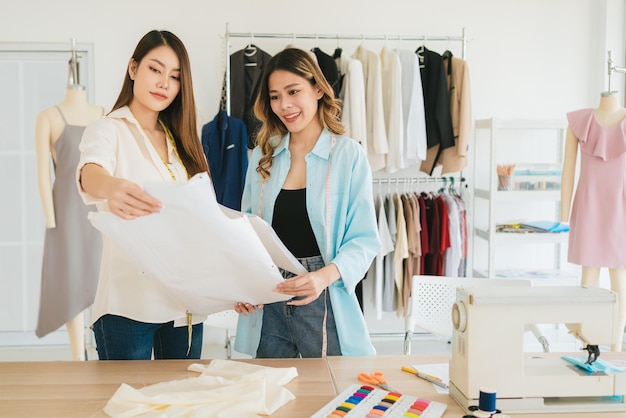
(454, 253)
(391, 71)
(376, 134)
(377, 270)
(352, 94)
(412, 108)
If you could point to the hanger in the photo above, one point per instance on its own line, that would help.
(250, 52)
(338, 50)
(451, 189)
(250, 49)
(442, 189)
(420, 53)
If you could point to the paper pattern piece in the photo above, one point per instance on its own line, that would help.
(440, 370)
(206, 255)
(224, 389)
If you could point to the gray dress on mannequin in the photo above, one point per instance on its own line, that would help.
(72, 250)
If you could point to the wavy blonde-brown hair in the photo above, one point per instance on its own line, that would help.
(299, 62)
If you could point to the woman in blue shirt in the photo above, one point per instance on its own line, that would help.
(314, 186)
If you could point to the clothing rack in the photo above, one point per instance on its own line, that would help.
(385, 37)
(252, 35)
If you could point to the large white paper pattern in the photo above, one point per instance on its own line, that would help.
(207, 255)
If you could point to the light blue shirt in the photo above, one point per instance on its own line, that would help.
(354, 240)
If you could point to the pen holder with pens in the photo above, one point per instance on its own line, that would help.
(504, 176)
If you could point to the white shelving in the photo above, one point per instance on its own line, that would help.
(519, 142)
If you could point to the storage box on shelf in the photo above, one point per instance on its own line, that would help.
(535, 148)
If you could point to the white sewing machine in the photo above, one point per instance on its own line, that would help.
(488, 349)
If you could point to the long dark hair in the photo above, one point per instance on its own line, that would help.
(180, 115)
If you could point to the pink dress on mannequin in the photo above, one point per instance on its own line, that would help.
(598, 219)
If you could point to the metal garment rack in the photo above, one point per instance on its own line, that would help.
(424, 38)
(252, 35)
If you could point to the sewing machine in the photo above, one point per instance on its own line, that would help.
(488, 349)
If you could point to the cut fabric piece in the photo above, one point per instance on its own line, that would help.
(225, 388)
(598, 366)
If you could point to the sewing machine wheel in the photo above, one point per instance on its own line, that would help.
(459, 316)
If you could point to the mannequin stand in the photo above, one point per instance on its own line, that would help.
(76, 333)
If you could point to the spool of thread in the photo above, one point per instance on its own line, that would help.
(487, 400)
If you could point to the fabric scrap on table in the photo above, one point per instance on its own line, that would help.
(224, 388)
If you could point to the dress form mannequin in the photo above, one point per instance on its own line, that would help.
(51, 123)
(608, 114)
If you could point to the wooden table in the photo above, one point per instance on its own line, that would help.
(82, 388)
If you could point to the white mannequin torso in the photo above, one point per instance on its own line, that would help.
(609, 112)
(76, 111)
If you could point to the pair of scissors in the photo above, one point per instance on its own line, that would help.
(377, 379)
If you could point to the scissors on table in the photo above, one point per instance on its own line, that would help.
(377, 379)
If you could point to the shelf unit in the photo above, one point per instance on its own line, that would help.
(531, 141)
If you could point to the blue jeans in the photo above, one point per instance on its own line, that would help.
(296, 331)
(120, 338)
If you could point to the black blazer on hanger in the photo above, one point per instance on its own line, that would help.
(329, 69)
(246, 69)
(436, 103)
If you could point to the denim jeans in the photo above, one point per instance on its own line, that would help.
(120, 338)
(296, 331)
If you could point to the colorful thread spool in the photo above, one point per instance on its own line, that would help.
(487, 400)
(348, 404)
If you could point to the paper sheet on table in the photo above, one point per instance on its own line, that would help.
(440, 370)
(207, 256)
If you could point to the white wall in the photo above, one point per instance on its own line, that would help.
(527, 59)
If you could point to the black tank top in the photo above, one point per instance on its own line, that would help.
(292, 225)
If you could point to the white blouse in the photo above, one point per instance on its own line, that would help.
(118, 144)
